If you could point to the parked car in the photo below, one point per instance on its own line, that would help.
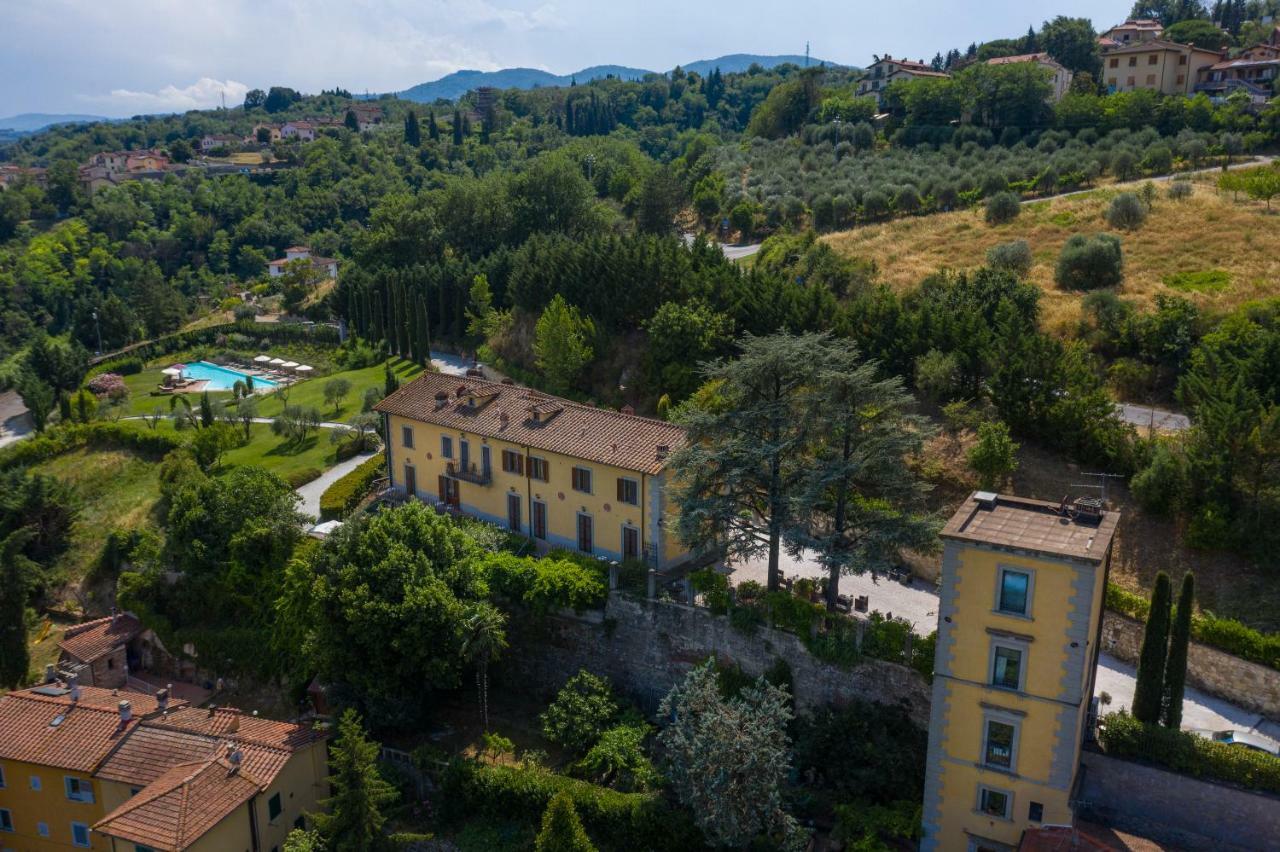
(1244, 739)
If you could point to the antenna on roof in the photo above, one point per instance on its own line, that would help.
(1103, 477)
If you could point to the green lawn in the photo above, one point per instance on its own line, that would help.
(287, 460)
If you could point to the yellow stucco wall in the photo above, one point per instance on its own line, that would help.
(1048, 710)
(50, 805)
(233, 834)
(301, 784)
(563, 503)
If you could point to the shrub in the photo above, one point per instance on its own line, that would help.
(1014, 257)
(1180, 190)
(298, 478)
(1160, 485)
(1087, 263)
(1187, 754)
(1003, 207)
(618, 759)
(340, 498)
(107, 384)
(562, 829)
(127, 366)
(864, 750)
(99, 435)
(547, 584)
(1126, 212)
(714, 587)
(1158, 159)
(583, 709)
(641, 821)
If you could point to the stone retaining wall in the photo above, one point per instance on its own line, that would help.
(1182, 812)
(1249, 685)
(646, 646)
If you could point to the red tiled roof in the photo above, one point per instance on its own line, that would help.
(153, 749)
(43, 725)
(505, 412)
(231, 724)
(1059, 838)
(181, 805)
(94, 639)
(1022, 57)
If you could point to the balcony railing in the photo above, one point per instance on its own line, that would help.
(470, 473)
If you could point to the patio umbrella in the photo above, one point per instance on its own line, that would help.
(276, 362)
(262, 359)
(171, 371)
(305, 368)
(289, 365)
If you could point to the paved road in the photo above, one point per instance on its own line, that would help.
(1243, 164)
(918, 604)
(310, 493)
(732, 252)
(15, 422)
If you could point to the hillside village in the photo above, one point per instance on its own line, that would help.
(804, 457)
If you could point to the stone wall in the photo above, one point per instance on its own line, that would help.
(1176, 810)
(646, 646)
(1241, 682)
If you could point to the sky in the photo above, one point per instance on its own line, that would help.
(123, 57)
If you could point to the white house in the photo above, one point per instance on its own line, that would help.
(1059, 77)
(303, 131)
(325, 265)
(886, 70)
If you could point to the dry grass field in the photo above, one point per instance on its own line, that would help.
(1212, 249)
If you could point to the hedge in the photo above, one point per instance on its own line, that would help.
(270, 331)
(549, 583)
(72, 436)
(341, 498)
(614, 820)
(1225, 634)
(1187, 754)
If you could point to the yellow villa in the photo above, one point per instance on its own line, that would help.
(1018, 634)
(94, 768)
(562, 473)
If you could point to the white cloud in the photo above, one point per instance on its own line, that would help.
(202, 94)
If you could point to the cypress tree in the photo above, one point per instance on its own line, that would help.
(1175, 668)
(562, 828)
(17, 573)
(457, 128)
(391, 382)
(64, 406)
(433, 129)
(1148, 694)
(426, 330)
(206, 410)
(412, 131)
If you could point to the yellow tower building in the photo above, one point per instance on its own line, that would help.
(1019, 619)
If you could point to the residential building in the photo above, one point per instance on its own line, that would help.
(886, 70)
(1059, 75)
(102, 652)
(326, 266)
(562, 473)
(1158, 65)
(368, 116)
(213, 141)
(302, 131)
(1020, 615)
(93, 768)
(1254, 71)
(1133, 31)
(11, 175)
(273, 132)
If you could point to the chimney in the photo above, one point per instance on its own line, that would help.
(126, 713)
(50, 673)
(212, 707)
(663, 449)
(162, 700)
(627, 409)
(74, 682)
(114, 615)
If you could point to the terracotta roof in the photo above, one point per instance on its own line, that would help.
(1024, 57)
(43, 725)
(1061, 838)
(1158, 44)
(1017, 522)
(153, 749)
(181, 805)
(229, 723)
(94, 639)
(507, 412)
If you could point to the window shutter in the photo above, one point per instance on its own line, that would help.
(622, 490)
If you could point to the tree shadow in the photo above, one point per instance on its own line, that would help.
(289, 447)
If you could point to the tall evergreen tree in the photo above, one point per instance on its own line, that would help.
(351, 122)
(457, 128)
(17, 573)
(561, 828)
(352, 820)
(1175, 668)
(412, 130)
(206, 411)
(1148, 693)
(433, 129)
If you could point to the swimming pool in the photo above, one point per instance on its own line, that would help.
(220, 378)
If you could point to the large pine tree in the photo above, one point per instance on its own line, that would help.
(16, 575)
(353, 819)
(1175, 668)
(1148, 694)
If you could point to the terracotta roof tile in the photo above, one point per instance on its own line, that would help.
(505, 412)
(42, 725)
(153, 749)
(181, 805)
(94, 639)
(230, 724)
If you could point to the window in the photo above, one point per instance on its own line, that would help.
(584, 533)
(406, 437)
(79, 791)
(1181, 79)
(539, 520)
(539, 469)
(998, 749)
(994, 803)
(512, 462)
(42, 829)
(1006, 670)
(1115, 63)
(1153, 59)
(582, 479)
(1035, 812)
(79, 834)
(35, 782)
(1015, 592)
(1151, 79)
(1132, 81)
(446, 447)
(1, 777)
(300, 823)
(274, 808)
(410, 481)
(464, 453)
(628, 491)
(6, 820)
(630, 543)
(1133, 61)
(1182, 60)
(486, 460)
(513, 512)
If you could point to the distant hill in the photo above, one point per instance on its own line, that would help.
(455, 85)
(29, 122)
